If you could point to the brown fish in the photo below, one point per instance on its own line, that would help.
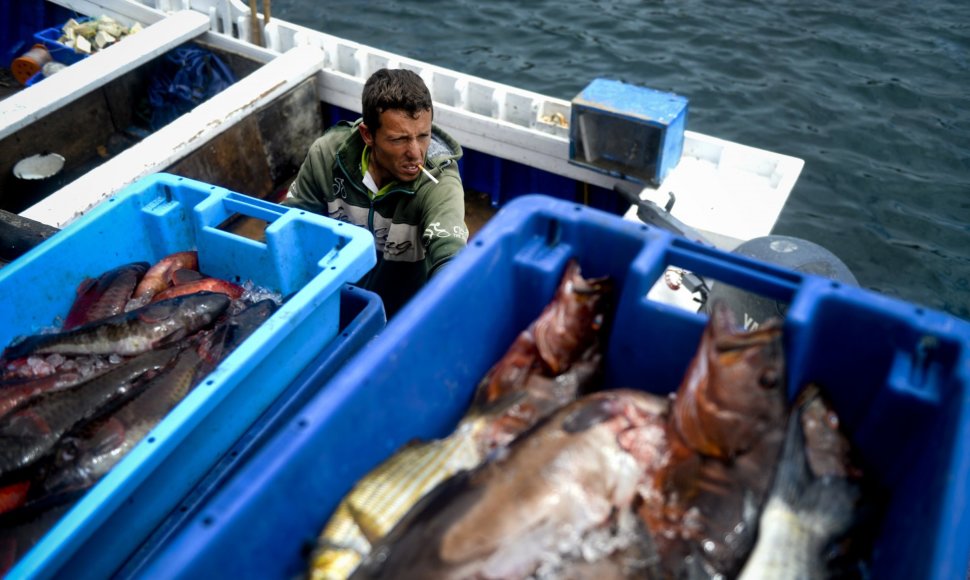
(33, 428)
(517, 392)
(81, 458)
(562, 496)
(726, 429)
(105, 296)
(129, 333)
(14, 392)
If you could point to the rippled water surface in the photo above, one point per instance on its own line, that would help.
(874, 96)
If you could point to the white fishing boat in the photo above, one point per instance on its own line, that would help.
(516, 141)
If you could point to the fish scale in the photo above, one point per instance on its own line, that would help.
(97, 450)
(385, 495)
(129, 333)
(516, 393)
(33, 428)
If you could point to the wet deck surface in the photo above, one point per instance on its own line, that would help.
(478, 210)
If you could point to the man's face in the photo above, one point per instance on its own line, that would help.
(398, 146)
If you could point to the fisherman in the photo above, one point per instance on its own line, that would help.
(396, 174)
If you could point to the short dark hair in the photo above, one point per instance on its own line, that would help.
(394, 89)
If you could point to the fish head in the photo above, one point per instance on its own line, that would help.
(734, 389)
(573, 320)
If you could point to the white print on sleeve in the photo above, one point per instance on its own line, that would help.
(434, 230)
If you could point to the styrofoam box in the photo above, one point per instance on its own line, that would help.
(306, 258)
(898, 375)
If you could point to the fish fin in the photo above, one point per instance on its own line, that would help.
(85, 285)
(371, 530)
(173, 338)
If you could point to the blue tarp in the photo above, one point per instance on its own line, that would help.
(184, 78)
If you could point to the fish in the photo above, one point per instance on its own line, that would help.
(561, 499)
(22, 529)
(81, 458)
(231, 290)
(237, 328)
(184, 276)
(104, 296)
(548, 364)
(14, 392)
(158, 277)
(14, 495)
(814, 499)
(129, 333)
(33, 428)
(725, 432)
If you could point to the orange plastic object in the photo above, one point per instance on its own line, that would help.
(29, 63)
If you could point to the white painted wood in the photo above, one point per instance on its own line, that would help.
(95, 71)
(179, 138)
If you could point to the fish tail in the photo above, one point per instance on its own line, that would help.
(340, 548)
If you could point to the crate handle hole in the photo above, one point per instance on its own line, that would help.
(554, 233)
(245, 226)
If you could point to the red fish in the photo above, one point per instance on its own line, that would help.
(549, 363)
(104, 296)
(14, 392)
(13, 496)
(158, 276)
(725, 433)
(217, 285)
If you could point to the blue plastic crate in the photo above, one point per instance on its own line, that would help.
(906, 407)
(306, 257)
(59, 52)
(362, 318)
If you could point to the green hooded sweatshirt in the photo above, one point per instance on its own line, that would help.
(417, 226)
